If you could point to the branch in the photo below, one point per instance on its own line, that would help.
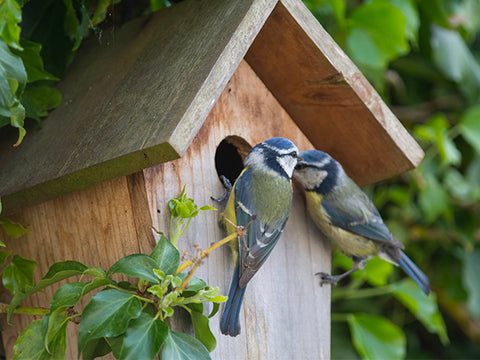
(25, 310)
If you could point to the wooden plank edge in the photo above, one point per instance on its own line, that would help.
(221, 72)
(359, 84)
(123, 165)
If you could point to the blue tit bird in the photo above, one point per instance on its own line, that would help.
(260, 200)
(346, 216)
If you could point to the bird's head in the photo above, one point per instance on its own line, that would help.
(276, 155)
(317, 171)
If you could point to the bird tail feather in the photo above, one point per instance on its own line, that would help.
(414, 272)
(230, 321)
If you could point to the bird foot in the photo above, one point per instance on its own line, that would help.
(328, 279)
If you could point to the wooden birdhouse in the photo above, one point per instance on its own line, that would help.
(174, 99)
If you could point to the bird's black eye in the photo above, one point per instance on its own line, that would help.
(293, 154)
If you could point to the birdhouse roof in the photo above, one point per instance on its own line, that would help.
(137, 96)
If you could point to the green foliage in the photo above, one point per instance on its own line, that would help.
(127, 319)
(426, 67)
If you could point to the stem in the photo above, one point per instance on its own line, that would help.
(207, 251)
(188, 278)
(25, 310)
(360, 293)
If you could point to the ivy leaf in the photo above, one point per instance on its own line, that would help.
(107, 315)
(13, 229)
(194, 284)
(136, 265)
(33, 62)
(18, 274)
(30, 344)
(422, 306)
(70, 294)
(56, 334)
(455, 60)
(471, 269)
(378, 271)
(433, 198)
(38, 99)
(180, 346)
(166, 256)
(57, 272)
(470, 127)
(201, 327)
(377, 33)
(3, 256)
(96, 348)
(10, 16)
(375, 337)
(144, 338)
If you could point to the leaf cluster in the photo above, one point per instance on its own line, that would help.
(126, 318)
(422, 57)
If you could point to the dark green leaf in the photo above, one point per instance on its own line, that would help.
(70, 294)
(39, 99)
(101, 11)
(18, 274)
(375, 337)
(13, 229)
(202, 329)
(10, 16)
(215, 308)
(107, 315)
(96, 271)
(96, 348)
(144, 338)
(57, 272)
(422, 306)
(180, 346)
(471, 270)
(33, 62)
(30, 344)
(166, 256)
(136, 265)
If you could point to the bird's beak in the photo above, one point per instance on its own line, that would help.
(299, 159)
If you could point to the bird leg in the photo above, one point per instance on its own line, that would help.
(228, 188)
(358, 264)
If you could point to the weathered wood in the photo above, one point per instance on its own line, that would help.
(328, 97)
(132, 99)
(286, 314)
(96, 226)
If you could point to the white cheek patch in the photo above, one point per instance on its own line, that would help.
(311, 177)
(287, 163)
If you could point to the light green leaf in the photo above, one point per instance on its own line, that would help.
(56, 334)
(18, 274)
(13, 229)
(455, 61)
(471, 269)
(107, 315)
(410, 12)
(422, 306)
(57, 272)
(3, 256)
(470, 127)
(377, 33)
(166, 256)
(459, 186)
(10, 16)
(180, 346)
(136, 265)
(378, 271)
(433, 198)
(144, 338)
(375, 337)
(30, 344)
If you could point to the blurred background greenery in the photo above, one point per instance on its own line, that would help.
(422, 57)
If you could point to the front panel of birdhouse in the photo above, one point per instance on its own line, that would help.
(286, 314)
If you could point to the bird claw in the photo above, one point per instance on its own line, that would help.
(228, 188)
(327, 279)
